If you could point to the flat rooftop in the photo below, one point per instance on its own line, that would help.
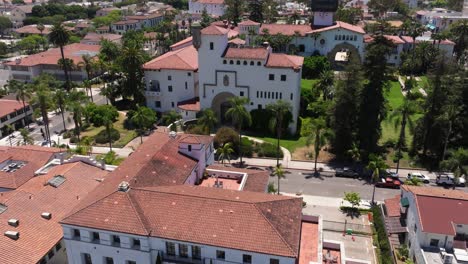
(308, 251)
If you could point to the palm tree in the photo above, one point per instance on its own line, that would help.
(402, 117)
(208, 120)
(447, 119)
(170, 118)
(279, 110)
(459, 32)
(27, 139)
(89, 66)
(225, 152)
(76, 100)
(316, 130)
(377, 165)
(457, 161)
(279, 173)
(23, 94)
(143, 118)
(60, 36)
(87, 84)
(60, 99)
(42, 97)
(9, 130)
(239, 116)
(325, 83)
(354, 153)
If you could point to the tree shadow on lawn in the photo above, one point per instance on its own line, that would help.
(316, 175)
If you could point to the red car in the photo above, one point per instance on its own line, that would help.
(388, 182)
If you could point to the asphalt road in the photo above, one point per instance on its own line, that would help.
(329, 186)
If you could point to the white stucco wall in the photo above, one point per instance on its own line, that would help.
(212, 9)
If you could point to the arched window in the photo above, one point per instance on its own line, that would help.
(224, 61)
(252, 63)
(245, 62)
(231, 62)
(238, 62)
(259, 64)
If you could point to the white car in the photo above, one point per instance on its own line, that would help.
(420, 176)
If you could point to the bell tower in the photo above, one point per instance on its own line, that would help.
(323, 11)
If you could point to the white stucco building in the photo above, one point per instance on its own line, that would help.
(12, 113)
(213, 7)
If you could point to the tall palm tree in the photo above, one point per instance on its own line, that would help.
(171, 117)
(325, 84)
(447, 119)
(23, 94)
(316, 130)
(89, 66)
(224, 152)
(41, 29)
(459, 32)
(279, 173)
(401, 118)
(208, 120)
(279, 109)
(27, 139)
(9, 130)
(377, 165)
(75, 104)
(239, 116)
(42, 97)
(143, 118)
(60, 36)
(60, 99)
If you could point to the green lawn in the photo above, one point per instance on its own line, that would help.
(125, 134)
(289, 144)
(307, 84)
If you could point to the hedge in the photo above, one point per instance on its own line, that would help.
(385, 256)
(267, 150)
(103, 138)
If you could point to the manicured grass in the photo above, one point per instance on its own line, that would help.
(125, 134)
(289, 144)
(308, 83)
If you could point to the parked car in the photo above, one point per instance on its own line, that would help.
(448, 179)
(346, 172)
(420, 176)
(392, 174)
(389, 182)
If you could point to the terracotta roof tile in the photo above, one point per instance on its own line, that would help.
(181, 59)
(98, 37)
(214, 30)
(394, 39)
(248, 22)
(182, 43)
(10, 106)
(279, 60)
(257, 180)
(38, 235)
(32, 29)
(189, 105)
(212, 2)
(237, 41)
(393, 206)
(288, 30)
(125, 22)
(343, 25)
(246, 53)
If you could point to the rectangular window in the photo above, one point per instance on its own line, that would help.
(130, 262)
(415, 228)
(276, 95)
(211, 45)
(4, 119)
(43, 261)
(283, 77)
(196, 252)
(169, 78)
(241, 93)
(116, 240)
(136, 243)
(86, 258)
(220, 254)
(274, 261)
(157, 104)
(261, 94)
(259, 107)
(434, 243)
(50, 254)
(169, 88)
(58, 246)
(76, 234)
(291, 97)
(257, 94)
(281, 95)
(183, 250)
(271, 77)
(247, 258)
(95, 237)
(170, 248)
(108, 260)
(189, 74)
(189, 147)
(13, 115)
(186, 86)
(172, 104)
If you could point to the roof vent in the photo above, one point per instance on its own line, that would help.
(12, 234)
(172, 134)
(56, 181)
(46, 215)
(13, 222)
(124, 186)
(3, 208)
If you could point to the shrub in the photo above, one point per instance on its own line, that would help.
(226, 135)
(68, 134)
(314, 65)
(103, 138)
(268, 150)
(73, 139)
(261, 121)
(247, 147)
(383, 244)
(197, 130)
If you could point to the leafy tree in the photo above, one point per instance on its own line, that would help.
(32, 43)
(27, 139)
(459, 31)
(75, 104)
(23, 94)
(170, 117)
(372, 108)
(349, 15)
(60, 99)
(401, 118)
(413, 182)
(143, 118)
(270, 11)
(272, 188)
(377, 165)
(280, 110)
(5, 24)
(279, 173)
(60, 36)
(256, 11)
(8, 130)
(315, 130)
(107, 20)
(345, 111)
(3, 49)
(234, 10)
(314, 65)
(325, 84)
(449, 115)
(224, 152)
(206, 19)
(104, 115)
(239, 116)
(40, 27)
(89, 66)
(353, 198)
(457, 161)
(207, 120)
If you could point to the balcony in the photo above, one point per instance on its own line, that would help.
(152, 94)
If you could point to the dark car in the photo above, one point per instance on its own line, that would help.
(388, 182)
(346, 172)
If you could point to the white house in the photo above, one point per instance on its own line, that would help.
(136, 22)
(213, 7)
(12, 113)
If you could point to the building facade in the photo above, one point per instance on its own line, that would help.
(12, 113)
(213, 7)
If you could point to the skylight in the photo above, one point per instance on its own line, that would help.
(11, 165)
(3, 208)
(56, 181)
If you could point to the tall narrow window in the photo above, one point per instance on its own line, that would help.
(170, 248)
(291, 96)
(211, 45)
(189, 147)
(86, 258)
(183, 250)
(196, 252)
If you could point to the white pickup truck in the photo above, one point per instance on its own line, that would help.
(448, 179)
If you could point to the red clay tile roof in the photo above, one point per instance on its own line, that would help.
(280, 60)
(309, 243)
(214, 30)
(394, 39)
(393, 206)
(407, 39)
(288, 30)
(38, 235)
(34, 156)
(237, 41)
(182, 43)
(9, 106)
(246, 53)
(440, 209)
(257, 180)
(98, 37)
(50, 57)
(252, 221)
(144, 17)
(189, 105)
(32, 29)
(125, 22)
(342, 25)
(181, 59)
(248, 22)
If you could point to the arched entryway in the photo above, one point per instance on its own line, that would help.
(351, 51)
(220, 105)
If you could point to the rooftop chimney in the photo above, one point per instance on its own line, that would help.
(196, 35)
(123, 186)
(46, 215)
(12, 234)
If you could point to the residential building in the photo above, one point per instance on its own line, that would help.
(136, 22)
(433, 223)
(439, 19)
(214, 8)
(105, 11)
(32, 30)
(30, 215)
(12, 113)
(18, 14)
(95, 39)
(27, 68)
(227, 218)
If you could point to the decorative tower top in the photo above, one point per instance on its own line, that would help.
(196, 35)
(323, 11)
